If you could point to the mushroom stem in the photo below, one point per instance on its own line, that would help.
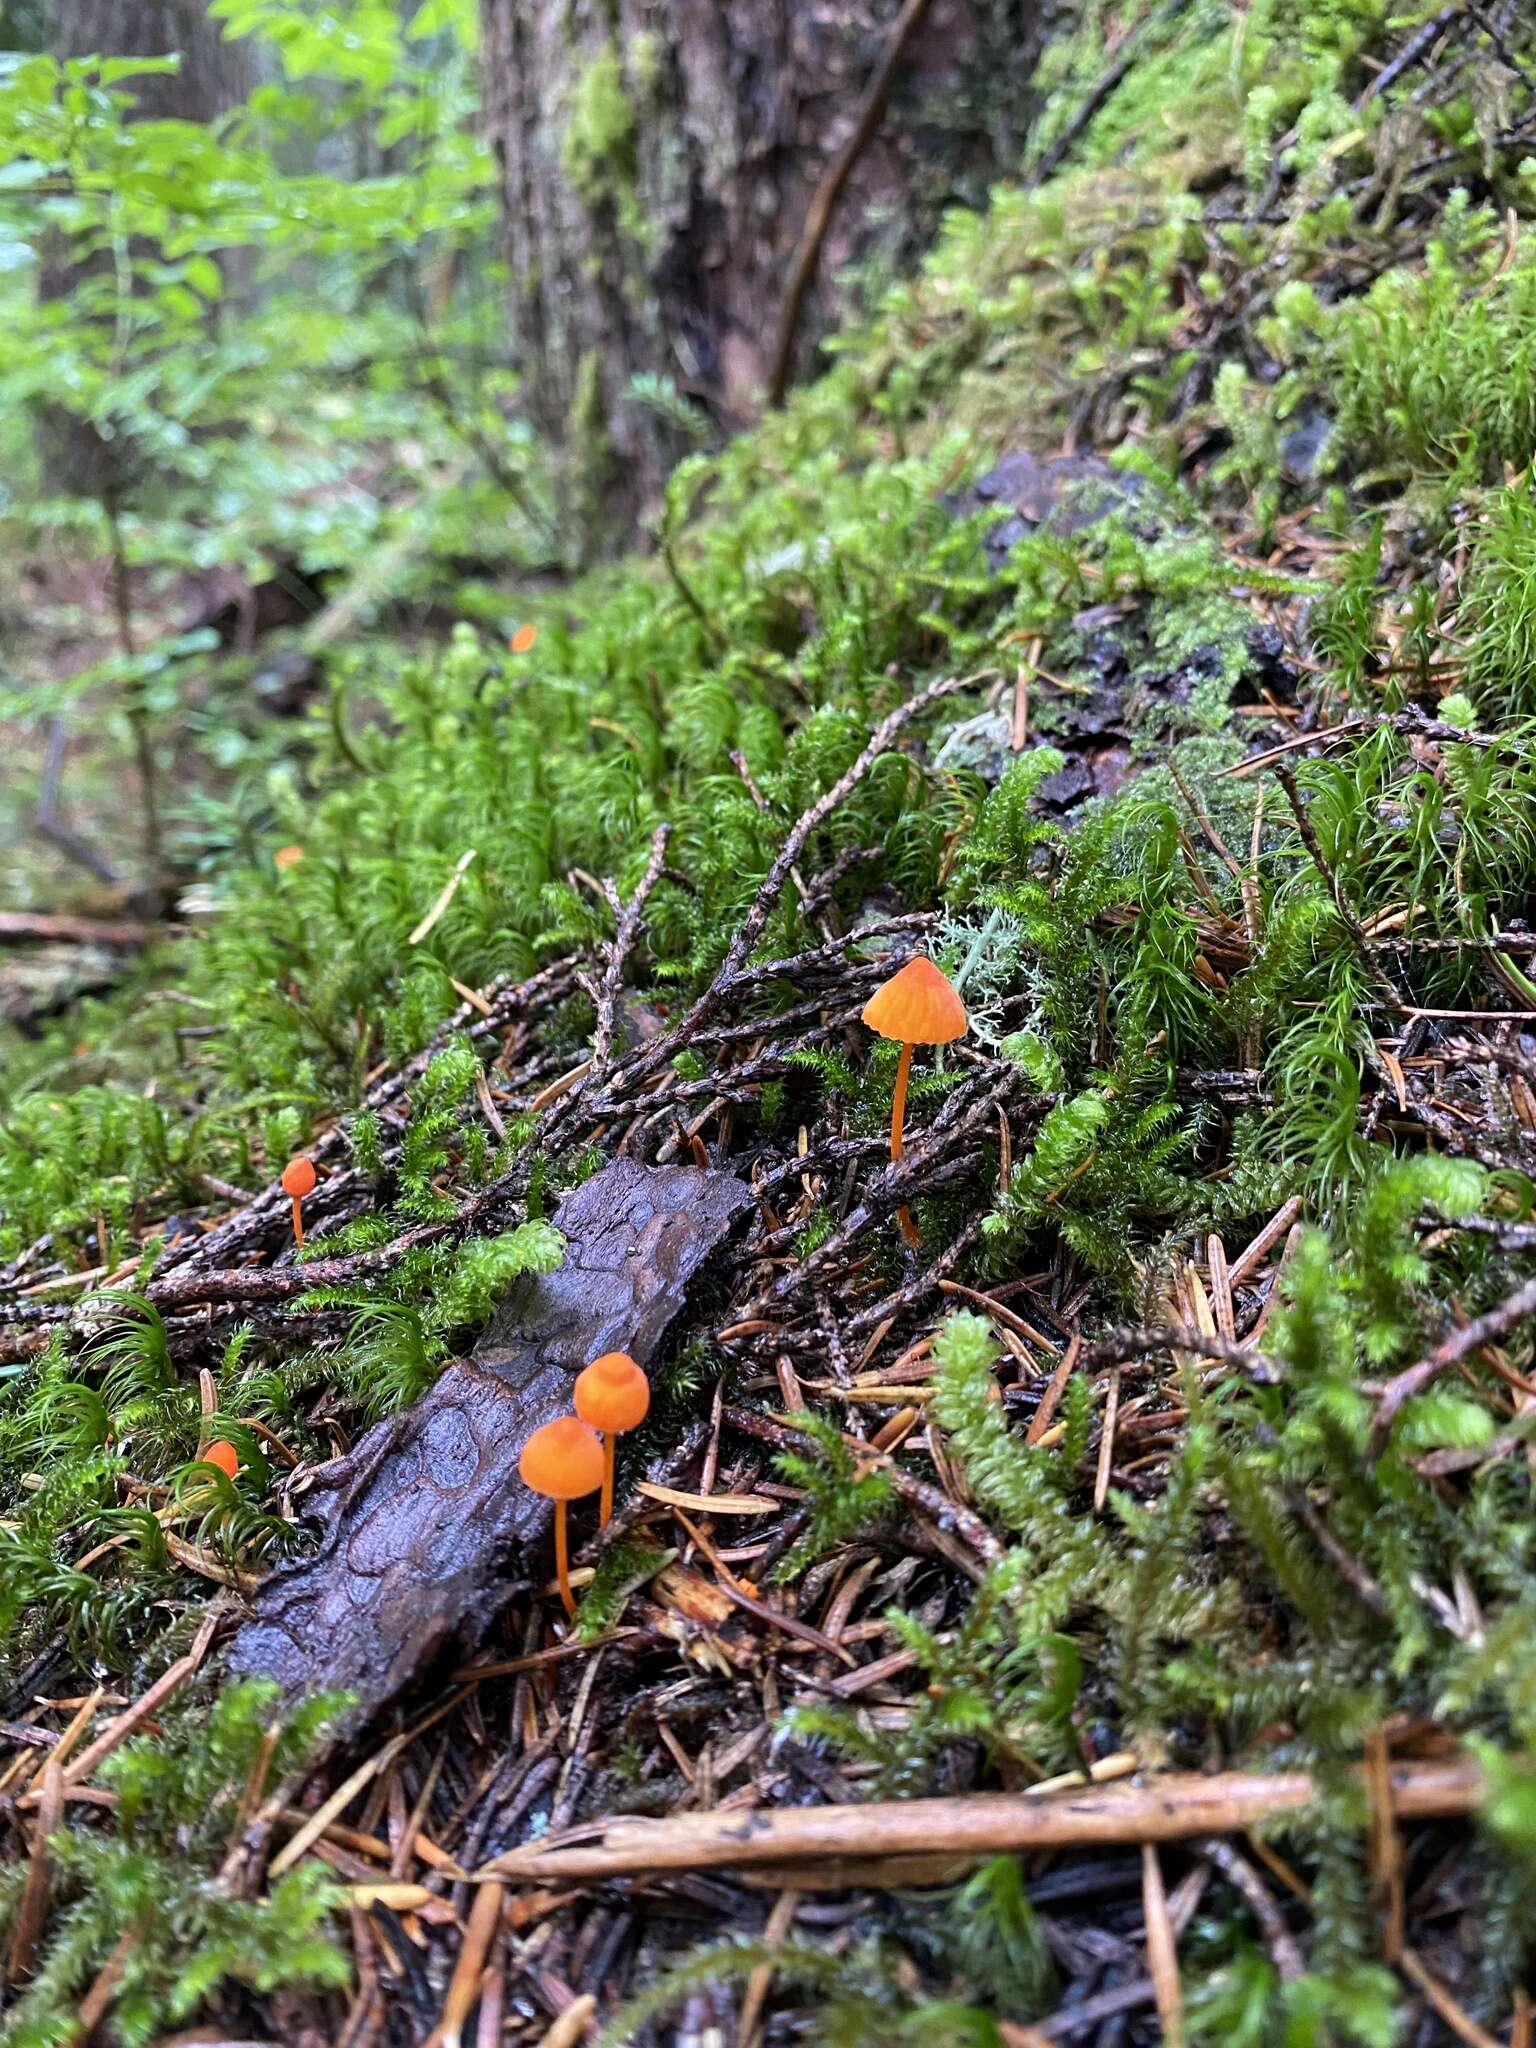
(562, 1561)
(298, 1224)
(898, 1119)
(605, 1509)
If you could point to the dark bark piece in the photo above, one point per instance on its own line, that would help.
(419, 1521)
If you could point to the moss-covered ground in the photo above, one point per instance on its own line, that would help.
(1229, 839)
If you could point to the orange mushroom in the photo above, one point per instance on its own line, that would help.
(563, 1461)
(917, 1006)
(522, 640)
(224, 1455)
(299, 1181)
(612, 1395)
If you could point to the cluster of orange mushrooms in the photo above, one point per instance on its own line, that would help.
(574, 1455)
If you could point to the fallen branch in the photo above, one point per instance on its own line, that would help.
(35, 927)
(819, 214)
(1170, 1809)
(1460, 1344)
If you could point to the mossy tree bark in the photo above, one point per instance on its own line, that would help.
(657, 161)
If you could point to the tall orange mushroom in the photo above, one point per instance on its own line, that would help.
(299, 1181)
(612, 1396)
(919, 1005)
(563, 1461)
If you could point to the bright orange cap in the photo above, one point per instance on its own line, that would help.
(288, 856)
(917, 1006)
(563, 1460)
(522, 640)
(613, 1394)
(224, 1455)
(299, 1177)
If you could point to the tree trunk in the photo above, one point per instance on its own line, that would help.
(213, 76)
(658, 159)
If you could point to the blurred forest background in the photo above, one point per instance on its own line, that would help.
(318, 318)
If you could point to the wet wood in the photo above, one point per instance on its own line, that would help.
(422, 1526)
(1168, 1809)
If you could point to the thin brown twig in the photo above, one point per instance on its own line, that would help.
(623, 945)
(1462, 1343)
(819, 214)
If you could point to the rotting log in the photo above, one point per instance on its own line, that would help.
(1174, 1808)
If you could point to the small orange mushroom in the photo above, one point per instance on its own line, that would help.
(288, 856)
(612, 1396)
(224, 1455)
(299, 1181)
(522, 640)
(563, 1461)
(919, 1005)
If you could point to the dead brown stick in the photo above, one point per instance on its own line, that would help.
(148, 1703)
(630, 914)
(32, 1913)
(1167, 1809)
(1460, 1344)
(819, 214)
(36, 926)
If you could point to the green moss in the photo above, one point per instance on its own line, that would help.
(600, 146)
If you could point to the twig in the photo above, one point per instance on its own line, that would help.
(1052, 158)
(27, 926)
(1162, 1949)
(1460, 1344)
(819, 214)
(1422, 40)
(1121, 1345)
(32, 1910)
(46, 820)
(785, 1435)
(1251, 1888)
(623, 944)
(1162, 1809)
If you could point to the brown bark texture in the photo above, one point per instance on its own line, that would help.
(657, 161)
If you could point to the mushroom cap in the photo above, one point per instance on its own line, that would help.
(299, 1176)
(917, 1006)
(613, 1394)
(563, 1460)
(224, 1455)
(522, 640)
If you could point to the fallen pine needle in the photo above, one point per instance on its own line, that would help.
(572, 2023)
(707, 1503)
(446, 894)
(1162, 1949)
